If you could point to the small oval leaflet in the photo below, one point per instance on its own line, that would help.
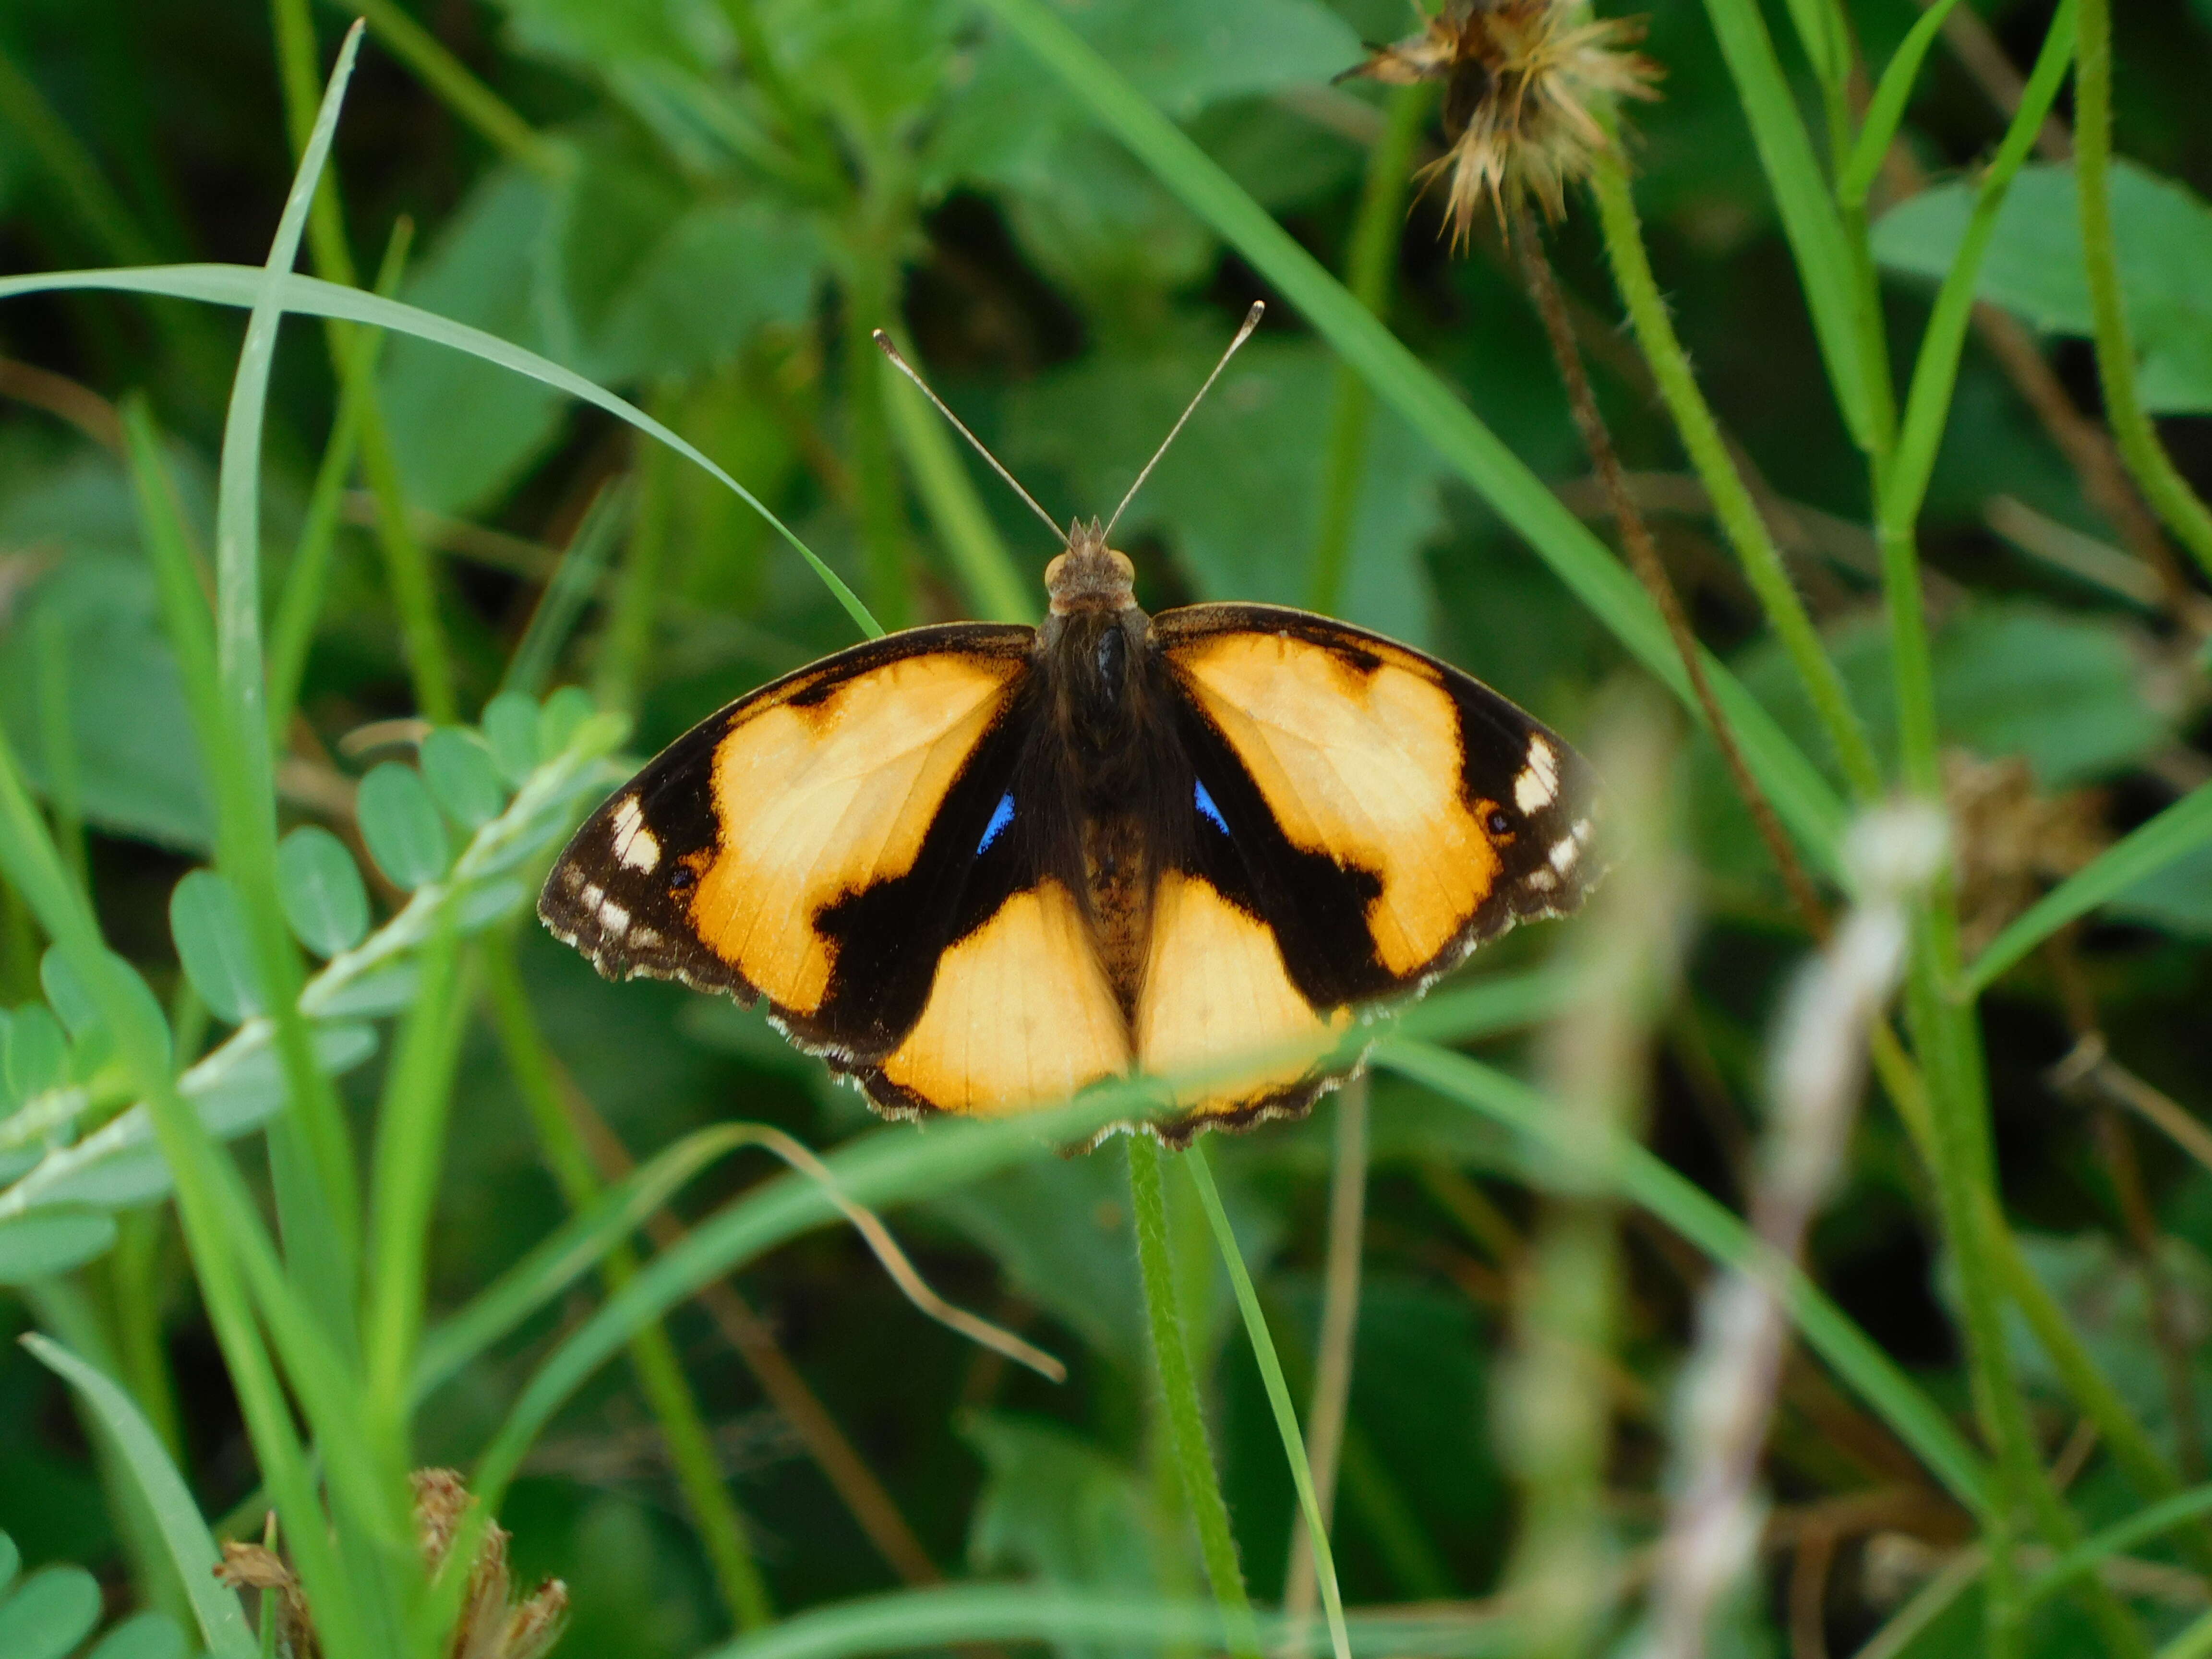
(510, 728)
(37, 1055)
(50, 1612)
(209, 927)
(400, 822)
(48, 1241)
(324, 897)
(463, 777)
(143, 1636)
(564, 716)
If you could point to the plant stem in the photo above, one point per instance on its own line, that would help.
(626, 646)
(1339, 1326)
(1733, 505)
(1369, 264)
(57, 741)
(1644, 557)
(882, 514)
(1186, 1420)
(1279, 1393)
(2168, 492)
(446, 76)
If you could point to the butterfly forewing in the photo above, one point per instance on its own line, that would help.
(809, 842)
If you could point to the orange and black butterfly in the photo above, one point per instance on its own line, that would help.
(980, 865)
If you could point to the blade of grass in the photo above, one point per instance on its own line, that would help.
(1886, 109)
(57, 740)
(299, 603)
(1279, 1393)
(576, 579)
(2153, 471)
(214, 1608)
(1809, 219)
(926, 1620)
(239, 285)
(866, 300)
(1408, 386)
(323, 1214)
(1639, 1175)
(2138, 1528)
(2179, 830)
(477, 104)
(1184, 1413)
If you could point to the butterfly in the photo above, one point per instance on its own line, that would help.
(978, 866)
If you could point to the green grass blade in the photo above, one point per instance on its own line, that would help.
(1886, 110)
(951, 1615)
(575, 580)
(887, 1166)
(1279, 1394)
(2138, 1528)
(238, 285)
(1640, 1177)
(579, 1245)
(221, 1623)
(1400, 380)
(1809, 219)
(1935, 371)
(2180, 829)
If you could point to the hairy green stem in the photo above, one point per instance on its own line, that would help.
(1186, 1418)
(652, 1353)
(2183, 511)
(1370, 263)
(1739, 514)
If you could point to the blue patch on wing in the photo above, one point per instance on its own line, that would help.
(1207, 809)
(1001, 816)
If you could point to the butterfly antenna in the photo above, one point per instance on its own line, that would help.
(961, 427)
(1251, 321)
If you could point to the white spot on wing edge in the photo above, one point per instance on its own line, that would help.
(1539, 782)
(637, 847)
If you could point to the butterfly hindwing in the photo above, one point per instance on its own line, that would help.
(810, 841)
(1387, 813)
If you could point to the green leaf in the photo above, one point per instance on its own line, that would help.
(2182, 829)
(11, 1562)
(209, 927)
(563, 717)
(52, 1241)
(324, 899)
(463, 777)
(37, 1057)
(190, 1546)
(2034, 267)
(510, 728)
(399, 822)
(49, 1615)
(1886, 108)
(145, 1636)
(75, 1003)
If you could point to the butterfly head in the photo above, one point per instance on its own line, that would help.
(1089, 575)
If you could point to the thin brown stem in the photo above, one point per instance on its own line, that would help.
(1643, 558)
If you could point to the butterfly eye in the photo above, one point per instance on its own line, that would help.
(682, 877)
(1500, 824)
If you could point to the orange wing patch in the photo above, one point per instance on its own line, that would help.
(1215, 986)
(818, 797)
(1361, 764)
(1020, 1014)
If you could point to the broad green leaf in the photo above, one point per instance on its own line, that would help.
(2034, 268)
(463, 777)
(400, 824)
(145, 1636)
(209, 927)
(324, 899)
(510, 728)
(190, 1546)
(49, 1241)
(50, 1612)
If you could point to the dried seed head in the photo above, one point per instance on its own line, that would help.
(1520, 78)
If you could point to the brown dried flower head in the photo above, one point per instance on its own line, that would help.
(1519, 77)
